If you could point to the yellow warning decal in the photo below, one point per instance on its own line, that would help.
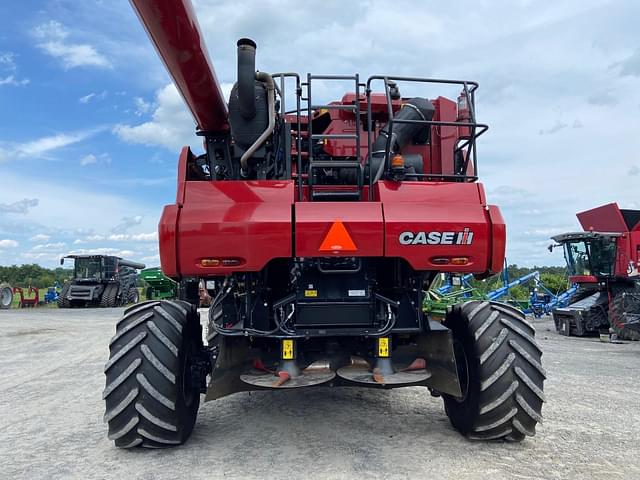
(311, 293)
(287, 349)
(383, 347)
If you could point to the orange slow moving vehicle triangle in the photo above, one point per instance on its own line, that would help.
(338, 239)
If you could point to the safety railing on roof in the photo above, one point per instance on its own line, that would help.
(468, 88)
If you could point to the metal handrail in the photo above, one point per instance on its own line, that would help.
(282, 77)
(469, 88)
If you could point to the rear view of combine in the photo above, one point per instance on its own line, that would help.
(603, 261)
(100, 281)
(321, 224)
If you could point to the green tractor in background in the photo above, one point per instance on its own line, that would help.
(159, 287)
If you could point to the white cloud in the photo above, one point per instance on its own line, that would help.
(151, 259)
(103, 251)
(8, 243)
(126, 223)
(41, 257)
(12, 80)
(145, 237)
(91, 159)
(8, 64)
(88, 160)
(49, 246)
(86, 98)
(93, 96)
(53, 39)
(7, 61)
(44, 146)
(138, 237)
(40, 237)
(21, 206)
(142, 107)
(171, 126)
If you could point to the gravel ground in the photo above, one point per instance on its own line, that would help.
(51, 418)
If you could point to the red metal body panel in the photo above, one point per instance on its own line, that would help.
(183, 160)
(252, 222)
(363, 221)
(606, 218)
(249, 221)
(174, 30)
(168, 241)
(498, 237)
(627, 255)
(443, 208)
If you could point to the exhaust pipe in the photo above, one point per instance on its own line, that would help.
(247, 77)
(268, 80)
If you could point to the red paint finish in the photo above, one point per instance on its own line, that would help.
(174, 30)
(606, 218)
(185, 157)
(168, 241)
(443, 139)
(362, 220)
(498, 237)
(443, 210)
(250, 221)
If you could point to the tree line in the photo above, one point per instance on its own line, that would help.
(34, 276)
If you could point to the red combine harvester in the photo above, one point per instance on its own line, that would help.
(320, 226)
(603, 261)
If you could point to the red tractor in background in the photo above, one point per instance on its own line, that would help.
(318, 229)
(603, 261)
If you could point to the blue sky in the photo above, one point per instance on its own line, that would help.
(91, 126)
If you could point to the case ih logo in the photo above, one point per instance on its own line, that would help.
(464, 237)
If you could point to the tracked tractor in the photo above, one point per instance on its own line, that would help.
(321, 223)
(603, 261)
(100, 281)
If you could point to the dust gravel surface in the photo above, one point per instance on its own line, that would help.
(51, 411)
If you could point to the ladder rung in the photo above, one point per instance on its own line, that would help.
(332, 77)
(337, 136)
(333, 107)
(336, 194)
(334, 164)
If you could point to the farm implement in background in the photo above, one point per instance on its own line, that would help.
(159, 286)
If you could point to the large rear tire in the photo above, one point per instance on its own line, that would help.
(499, 365)
(63, 301)
(150, 397)
(623, 304)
